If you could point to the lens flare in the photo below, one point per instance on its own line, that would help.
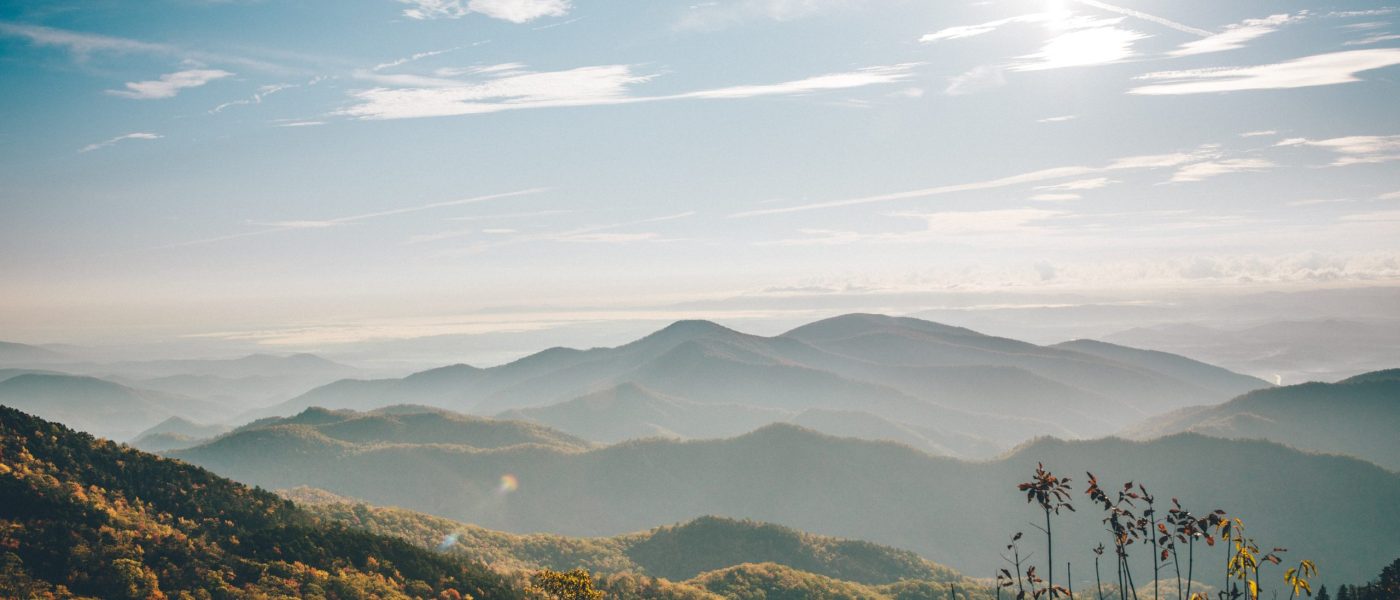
(448, 541)
(508, 484)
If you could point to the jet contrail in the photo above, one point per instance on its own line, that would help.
(1146, 17)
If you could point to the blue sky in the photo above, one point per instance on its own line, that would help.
(304, 174)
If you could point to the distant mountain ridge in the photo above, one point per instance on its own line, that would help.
(947, 382)
(948, 510)
(1359, 416)
(98, 406)
(12, 352)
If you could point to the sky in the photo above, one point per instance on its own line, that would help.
(308, 175)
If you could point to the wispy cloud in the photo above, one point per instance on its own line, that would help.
(1317, 70)
(1151, 161)
(1080, 184)
(80, 44)
(1082, 47)
(1077, 41)
(717, 14)
(169, 84)
(959, 32)
(278, 226)
(1374, 39)
(1356, 149)
(130, 136)
(604, 234)
(1062, 197)
(515, 11)
(1260, 133)
(1236, 36)
(1059, 119)
(460, 233)
(411, 58)
(256, 98)
(941, 225)
(83, 45)
(583, 86)
(1205, 170)
(977, 79)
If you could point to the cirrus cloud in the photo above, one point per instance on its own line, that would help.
(1309, 71)
(169, 84)
(514, 11)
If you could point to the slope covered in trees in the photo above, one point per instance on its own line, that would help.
(81, 516)
(677, 552)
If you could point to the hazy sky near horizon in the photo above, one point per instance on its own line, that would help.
(302, 174)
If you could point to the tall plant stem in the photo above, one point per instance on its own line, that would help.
(1098, 579)
(1190, 564)
(1050, 555)
(1129, 572)
(1069, 579)
(1176, 564)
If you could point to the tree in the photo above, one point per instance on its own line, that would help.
(1388, 586)
(570, 585)
(1322, 593)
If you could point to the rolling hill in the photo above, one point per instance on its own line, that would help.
(918, 374)
(676, 552)
(1334, 509)
(1359, 417)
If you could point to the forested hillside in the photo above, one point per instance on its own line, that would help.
(81, 516)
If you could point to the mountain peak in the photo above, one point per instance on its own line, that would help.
(684, 331)
(853, 324)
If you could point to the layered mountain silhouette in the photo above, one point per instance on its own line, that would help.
(1359, 416)
(950, 511)
(98, 406)
(239, 384)
(957, 389)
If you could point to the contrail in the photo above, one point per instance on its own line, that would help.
(1146, 17)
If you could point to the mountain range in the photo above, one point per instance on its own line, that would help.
(1334, 509)
(943, 388)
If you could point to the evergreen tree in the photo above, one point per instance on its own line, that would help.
(1388, 586)
(1343, 593)
(1322, 594)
